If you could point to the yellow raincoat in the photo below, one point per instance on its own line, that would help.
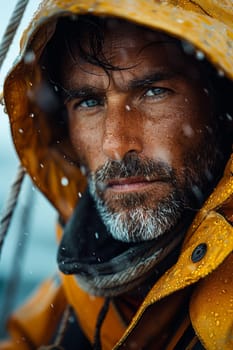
(208, 26)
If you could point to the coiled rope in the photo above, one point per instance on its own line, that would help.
(4, 47)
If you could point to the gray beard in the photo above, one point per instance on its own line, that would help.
(139, 223)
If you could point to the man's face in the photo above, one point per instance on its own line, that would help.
(145, 132)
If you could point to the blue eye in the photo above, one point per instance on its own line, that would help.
(89, 103)
(155, 91)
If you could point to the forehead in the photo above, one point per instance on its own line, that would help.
(130, 47)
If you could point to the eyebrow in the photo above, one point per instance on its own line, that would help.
(82, 92)
(152, 78)
(148, 79)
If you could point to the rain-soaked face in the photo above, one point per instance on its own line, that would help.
(144, 132)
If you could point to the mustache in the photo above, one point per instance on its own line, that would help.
(133, 166)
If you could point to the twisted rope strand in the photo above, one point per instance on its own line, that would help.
(11, 28)
(10, 205)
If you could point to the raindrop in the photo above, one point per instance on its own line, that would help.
(179, 20)
(63, 248)
(186, 100)
(187, 47)
(71, 319)
(58, 141)
(29, 57)
(80, 195)
(208, 175)
(30, 83)
(188, 131)
(101, 186)
(56, 88)
(31, 115)
(73, 17)
(52, 306)
(127, 107)
(197, 192)
(83, 170)
(229, 117)
(41, 165)
(96, 235)
(217, 323)
(21, 131)
(64, 181)
(221, 73)
(200, 55)
(206, 91)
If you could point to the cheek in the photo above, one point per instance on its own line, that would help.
(173, 133)
(86, 143)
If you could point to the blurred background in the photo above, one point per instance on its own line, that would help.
(29, 251)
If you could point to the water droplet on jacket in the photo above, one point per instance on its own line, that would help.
(64, 181)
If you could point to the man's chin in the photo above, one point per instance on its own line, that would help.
(138, 223)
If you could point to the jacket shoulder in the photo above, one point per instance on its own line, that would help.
(211, 307)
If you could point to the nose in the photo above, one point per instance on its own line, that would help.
(123, 132)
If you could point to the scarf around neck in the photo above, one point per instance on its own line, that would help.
(103, 265)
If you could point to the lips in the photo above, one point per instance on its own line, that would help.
(130, 184)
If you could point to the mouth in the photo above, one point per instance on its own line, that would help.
(132, 184)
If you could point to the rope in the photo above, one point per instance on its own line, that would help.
(11, 28)
(16, 265)
(100, 320)
(10, 205)
(61, 332)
